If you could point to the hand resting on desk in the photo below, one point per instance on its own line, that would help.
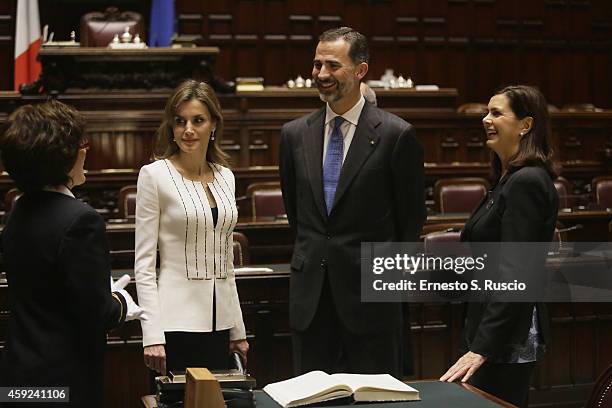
(465, 367)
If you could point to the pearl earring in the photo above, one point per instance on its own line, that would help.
(212, 135)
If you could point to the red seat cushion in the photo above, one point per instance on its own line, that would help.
(437, 243)
(603, 193)
(268, 203)
(238, 261)
(563, 195)
(461, 198)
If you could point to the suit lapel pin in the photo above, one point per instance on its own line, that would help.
(490, 204)
(372, 142)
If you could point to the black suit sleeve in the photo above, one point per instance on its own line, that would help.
(85, 263)
(526, 208)
(287, 177)
(408, 185)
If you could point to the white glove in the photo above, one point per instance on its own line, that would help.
(120, 283)
(133, 310)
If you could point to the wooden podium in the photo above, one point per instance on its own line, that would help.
(94, 70)
(202, 389)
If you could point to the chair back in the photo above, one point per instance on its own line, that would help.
(441, 237)
(438, 235)
(10, 198)
(459, 195)
(241, 250)
(441, 244)
(441, 227)
(581, 107)
(479, 108)
(564, 190)
(126, 202)
(266, 199)
(552, 108)
(602, 187)
(98, 29)
(601, 394)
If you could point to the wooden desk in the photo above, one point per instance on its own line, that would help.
(271, 240)
(588, 225)
(434, 394)
(580, 349)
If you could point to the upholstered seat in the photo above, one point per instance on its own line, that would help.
(564, 190)
(441, 236)
(581, 107)
(459, 195)
(266, 199)
(126, 202)
(602, 188)
(436, 237)
(441, 227)
(10, 198)
(98, 29)
(480, 108)
(444, 243)
(241, 249)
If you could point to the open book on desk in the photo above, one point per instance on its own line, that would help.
(317, 386)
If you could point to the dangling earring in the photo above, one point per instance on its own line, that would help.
(212, 135)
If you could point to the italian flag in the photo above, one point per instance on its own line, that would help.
(27, 42)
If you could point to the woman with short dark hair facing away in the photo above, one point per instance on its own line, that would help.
(57, 260)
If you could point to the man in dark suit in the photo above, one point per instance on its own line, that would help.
(350, 173)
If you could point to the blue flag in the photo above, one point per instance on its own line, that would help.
(162, 23)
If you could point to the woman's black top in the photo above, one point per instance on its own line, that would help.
(521, 207)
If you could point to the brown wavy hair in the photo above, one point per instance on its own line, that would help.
(165, 146)
(535, 146)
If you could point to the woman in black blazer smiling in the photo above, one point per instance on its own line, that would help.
(504, 340)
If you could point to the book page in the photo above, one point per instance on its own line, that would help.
(307, 388)
(373, 382)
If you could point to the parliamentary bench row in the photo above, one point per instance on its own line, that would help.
(112, 191)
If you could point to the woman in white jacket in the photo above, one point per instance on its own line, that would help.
(186, 207)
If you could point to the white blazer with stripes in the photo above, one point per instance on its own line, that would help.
(173, 213)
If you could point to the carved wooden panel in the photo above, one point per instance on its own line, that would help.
(454, 144)
(276, 39)
(119, 149)
(7, 43)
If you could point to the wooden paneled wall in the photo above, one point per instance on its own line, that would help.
(121, 129)
(562, 46)
(472, 45)
(7, 43)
